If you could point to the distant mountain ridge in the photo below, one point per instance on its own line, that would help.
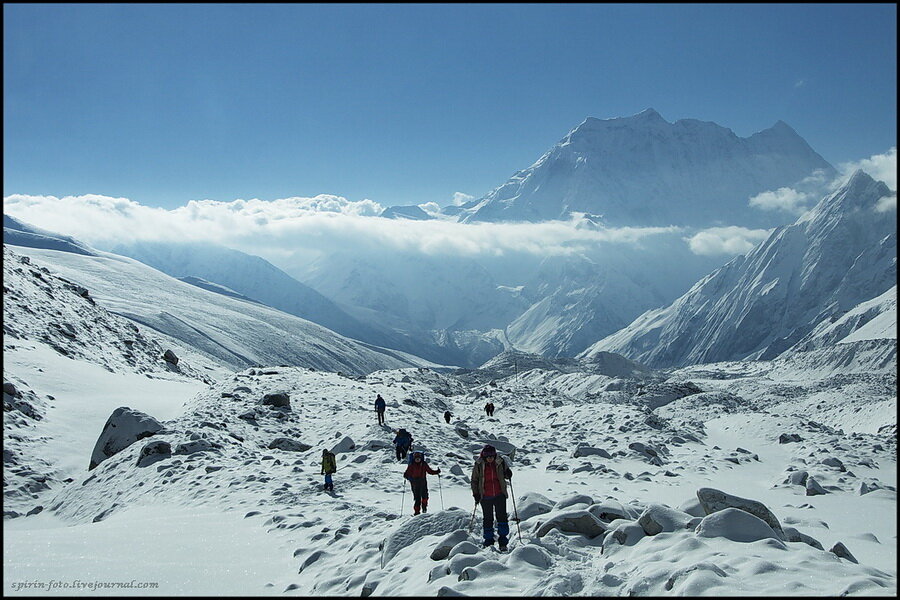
(837, 256)
(644, 171)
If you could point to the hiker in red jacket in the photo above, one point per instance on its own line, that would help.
(415, 473)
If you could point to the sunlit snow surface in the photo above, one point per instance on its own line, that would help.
(243, 519)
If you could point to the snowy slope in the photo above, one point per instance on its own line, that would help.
(838, 255)
(231, 331)
(607, 490)
(55, 338)
(643, 170)
(251, 276)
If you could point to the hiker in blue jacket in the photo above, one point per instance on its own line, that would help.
(379, 408)
(403, 442)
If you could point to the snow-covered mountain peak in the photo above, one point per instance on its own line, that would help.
(645, 171)
(861, 191)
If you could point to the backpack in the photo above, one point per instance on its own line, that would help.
(329, 464)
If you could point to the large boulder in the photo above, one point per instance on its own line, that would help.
(124, 427)
(277, 400)
(657, 518)
(439, 523)
(573, 521)
(446, 543)
(736, 525)
(153, 452)
(713, 500)
(345, 445)
(531, 504)
(288, 445)
(610, 510)
(572, 500)
(590, 451)
(813, 488)
(170, 357)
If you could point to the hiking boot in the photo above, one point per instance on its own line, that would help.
(487, 543)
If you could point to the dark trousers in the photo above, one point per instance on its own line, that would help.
(420, 491)
(402, 451)
(490, 507)
(380, 417)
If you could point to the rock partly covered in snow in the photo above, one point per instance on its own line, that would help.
(124, 427)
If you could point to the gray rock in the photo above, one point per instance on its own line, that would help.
(532, 504)
(589, 451)
(713, 500)
(787, 438)
(277, 399)
(813, 488)
(792, 535)
(572, 500)
(443, 547)
(623, 533)
(191, 447)
(463, 547)
(575, 521)
(736, 525)
(153, 452)
(797, 478)
(835, 462)
(657, 518)
(841, 550)
(439, 523)
(124, 427)
(288, 445)
(610, 510)
(345, 445)
(170, 357)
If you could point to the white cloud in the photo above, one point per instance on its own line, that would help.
(783, 199)
(886, 204)
(726, 240)
(461, 198)
(302, 225)
(432, 208)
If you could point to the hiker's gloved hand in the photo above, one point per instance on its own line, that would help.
(438, 471)
(509, 474)
(477, 497)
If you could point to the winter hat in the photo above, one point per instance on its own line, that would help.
(418, 454)
(488, 450)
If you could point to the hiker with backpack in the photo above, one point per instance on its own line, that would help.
(447, 415)
(489, 488)
(403, 441)
(329, 466)
(379, 408)
(416, 473)
(489, 409)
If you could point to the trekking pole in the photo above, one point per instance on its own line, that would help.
(401, 499)
(441, 491)
(472, 521)
(515, 510)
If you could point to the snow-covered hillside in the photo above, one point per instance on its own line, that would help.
(840, 254)
(230, 331)
(643, 170)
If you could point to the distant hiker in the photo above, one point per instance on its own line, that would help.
(329, 466)
(489, 477)
(447, 415)
(379, 408)
(415, 473)
(403, 441)
(489, 409)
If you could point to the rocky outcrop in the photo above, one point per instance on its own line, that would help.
(124, 427)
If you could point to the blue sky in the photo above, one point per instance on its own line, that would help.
(404, 104)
